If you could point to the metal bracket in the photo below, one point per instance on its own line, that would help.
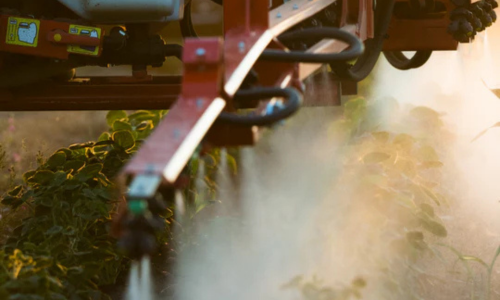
(176, 138)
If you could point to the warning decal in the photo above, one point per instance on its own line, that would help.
(86, 31)
(22, 32)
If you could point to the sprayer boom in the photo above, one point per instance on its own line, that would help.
(267, 51)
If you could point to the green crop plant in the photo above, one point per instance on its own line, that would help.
(63, 249)
(395, 187)
(315, 289)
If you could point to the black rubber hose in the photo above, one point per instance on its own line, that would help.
(186, 23)
(173, 50)
(373, 47)
(355, 49)
(399, 61)
(292, 105)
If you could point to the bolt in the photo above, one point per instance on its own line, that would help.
(295, 6)
(200, 51)
(177, 133)
(150, 168)
(241, 45)
(199, 103)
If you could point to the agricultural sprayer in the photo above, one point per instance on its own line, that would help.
(268, 49)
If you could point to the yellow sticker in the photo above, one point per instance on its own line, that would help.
(23, 32)
(87, 31)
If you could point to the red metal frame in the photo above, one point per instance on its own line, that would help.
(47, 45)
(416, 34)
(214, 69)
(175, 139)
(97, 93)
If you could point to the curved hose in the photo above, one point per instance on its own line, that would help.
(399, 61)
(186, 23)
(365, 64)
(292, 105)
(355, 49)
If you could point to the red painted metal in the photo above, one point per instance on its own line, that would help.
(97, 93)
(245, 23)
(72, 39)
(46, 46)
(421, 34)
(166, 152)
(227, 136)
(213, 70)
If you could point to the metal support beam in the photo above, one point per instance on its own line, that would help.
(176, 138)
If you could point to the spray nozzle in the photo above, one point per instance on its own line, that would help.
(138, 207)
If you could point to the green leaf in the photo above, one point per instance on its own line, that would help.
(12, 201)
(427, 153)
(70, 230)
(46, 201)
(375, 157)
(56, 160)
(57, 296)
(16, 191)
(494, 258)
(427, 209)
(415, 235)
(89, 193)
(120, 125)
(432, 225)
(484, 131)
(430, 194)
(54, 230)
(124, 139)
(73, 165)
(427, 116)
(476, 259)
(404, 200)
(66, 151)
(41, 177)
(81, 146)
(91, 170)
(28, 175)
(141, 116)
(405, 141)
(104, 137)
(114, 115)
(59, 178)
(231, 162)
(104, 143)
(144, 126)
(73, 183)
(381, 136)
